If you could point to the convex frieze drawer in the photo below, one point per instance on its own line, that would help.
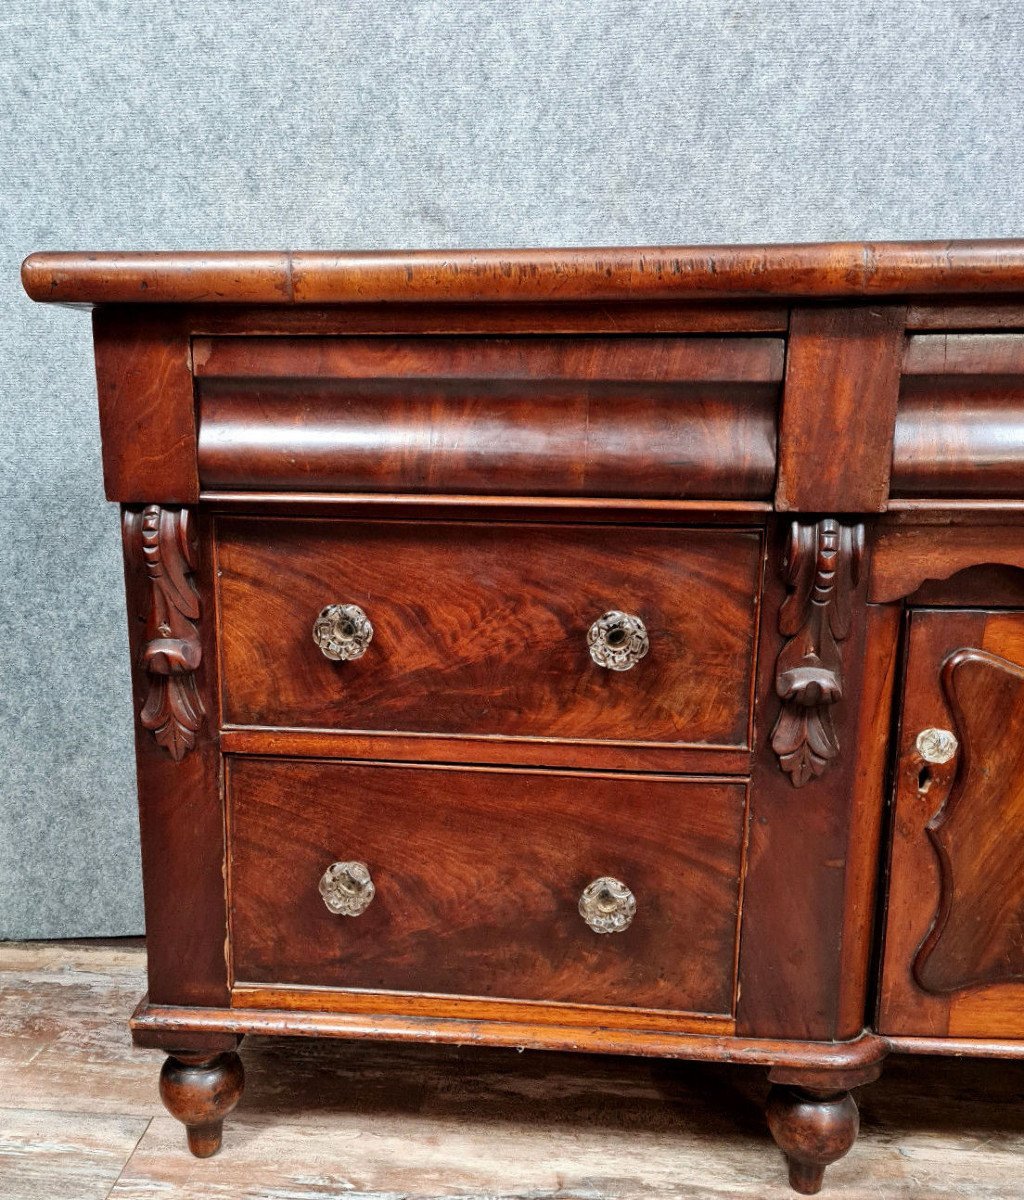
(592, 416)
(960, 422)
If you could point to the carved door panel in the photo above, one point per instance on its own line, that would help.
(953, 961)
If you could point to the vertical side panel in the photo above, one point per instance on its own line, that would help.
(147, 412)
(168, 575)
(796, 894)
(839, 409)
(881, 668)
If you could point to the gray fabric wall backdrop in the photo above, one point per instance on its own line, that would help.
(223, 124)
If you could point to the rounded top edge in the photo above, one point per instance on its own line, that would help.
(824, 270)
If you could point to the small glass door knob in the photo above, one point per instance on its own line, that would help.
(937, 745)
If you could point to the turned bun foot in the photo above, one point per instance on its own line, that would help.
(200, 1091)
(812, 1129)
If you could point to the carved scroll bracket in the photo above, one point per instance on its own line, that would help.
(173, 711)
(822, 568)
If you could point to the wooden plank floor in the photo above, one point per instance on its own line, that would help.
(81, 1118)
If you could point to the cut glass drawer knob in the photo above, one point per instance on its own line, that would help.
(347, 888)
(607, 905)
(618, 641)
(343, 632)
(937, 745)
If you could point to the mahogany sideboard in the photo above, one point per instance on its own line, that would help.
(601, 650)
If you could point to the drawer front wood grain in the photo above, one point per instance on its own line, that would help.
(477, 876)
(482, 630)
(671, 417)
(960, 421)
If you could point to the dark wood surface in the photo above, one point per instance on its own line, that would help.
(989, 586)
(976, 939)
(486, 451)
(158, 1026)
(906, 557)
(813, 1128)
(621, 359)
(690, 314)
(180, 810)
(625, 416)
(985, 311)
(956, 893)
(959, 429)
(478, 875)
(201, 1090)
(495, 619)
(487, 1012)
(147, 412)
(427, 506)
(485, 749)
(839, 408)
(955, 435)
(823, 563)
(319, 277)
(807, 876)
(863, 869)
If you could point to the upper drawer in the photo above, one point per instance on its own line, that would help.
(482, 631)
(669, 417)
(960, 422)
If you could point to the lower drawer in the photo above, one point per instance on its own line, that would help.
(477, 878)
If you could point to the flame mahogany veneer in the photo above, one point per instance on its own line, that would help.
(779, 489)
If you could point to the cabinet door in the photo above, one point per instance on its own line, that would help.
(953, 962)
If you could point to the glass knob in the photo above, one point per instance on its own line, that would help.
(937, 745)
(618, 641)
(347, 888)
(607, 905)
(343, 632)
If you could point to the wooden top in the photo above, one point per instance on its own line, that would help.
(847, 269)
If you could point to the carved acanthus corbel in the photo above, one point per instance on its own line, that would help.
(173, 709)
(822, 569)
